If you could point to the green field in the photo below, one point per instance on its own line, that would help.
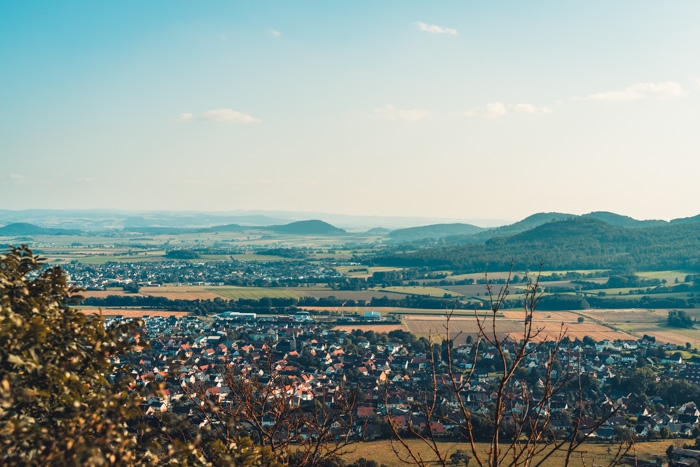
(670, 276)
(119, 259)
(419, 290)
(253, 293)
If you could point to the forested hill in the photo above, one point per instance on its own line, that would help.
(528, 223)
(574, 243)
(312, 227)
(434, 231)
(540, 218)
(623, 221)
(21, 228)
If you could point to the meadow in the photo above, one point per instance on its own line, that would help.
(592, 454)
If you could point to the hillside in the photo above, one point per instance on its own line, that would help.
(573, 243)
(528, 223)
(22, 228)
(623, 221)
(434, 231)
(311, 227)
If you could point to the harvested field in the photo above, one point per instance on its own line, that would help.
(598, 454)
(461, 327)
(132, 313)
(372, 327)
(558, 316)
(634, 315)
(663, 334)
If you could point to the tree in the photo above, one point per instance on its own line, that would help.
(460, 458)
(61, 400)
(517, 424)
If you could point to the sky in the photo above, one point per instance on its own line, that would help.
(457, 110)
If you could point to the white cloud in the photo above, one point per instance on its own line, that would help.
(228, 116)
(531, 109)
(434, 29)
(665, 90)
(391, 113)
(276, 32)
(492, 110)
(16, 177)
(219, 116)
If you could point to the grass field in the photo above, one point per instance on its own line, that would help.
(670, 276)
(254, 293)
(419, 290)
(119, 259)
(367, 295)
(362, 271)
(593, 454)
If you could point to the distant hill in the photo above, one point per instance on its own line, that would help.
(434, 231)
(572, 243)
(528, 223)
(195, 221)
(378, 231)
(227, 228)
(623, 221)
(311, 227)
(686, 220)
(22, 228)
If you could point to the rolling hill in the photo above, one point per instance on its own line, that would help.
(572, 243)
(434, 231)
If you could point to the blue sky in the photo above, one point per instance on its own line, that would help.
(436, 109)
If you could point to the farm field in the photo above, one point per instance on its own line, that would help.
(372, 327)
(461, 327)
(324, 292)
(131, 312)
(663, 334)
(594, 454)
(420, 290)
(193, 292)
(362, 271)
(558, 316)
(670, 276)
(636, 315)
(385, 310)
(180, 293)
(253, 293)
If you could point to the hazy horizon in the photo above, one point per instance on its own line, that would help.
(446, 110)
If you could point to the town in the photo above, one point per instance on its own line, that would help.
(639, 390)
